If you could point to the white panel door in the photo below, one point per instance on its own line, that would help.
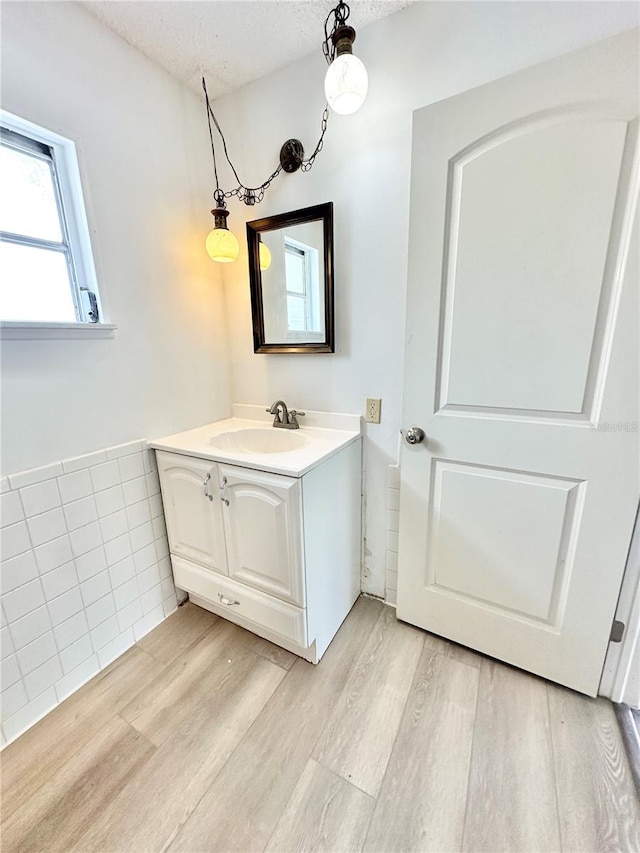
(192, 509)
(522, 363)
(263, 524)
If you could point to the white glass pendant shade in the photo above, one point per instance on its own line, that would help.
(346, 84)
(265, 256)
(222, 245)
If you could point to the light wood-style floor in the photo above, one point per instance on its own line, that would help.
(204, 737)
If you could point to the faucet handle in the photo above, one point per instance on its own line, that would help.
(293, 417)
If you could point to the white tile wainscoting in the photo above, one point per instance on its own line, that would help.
(85, 574)
(393, 515)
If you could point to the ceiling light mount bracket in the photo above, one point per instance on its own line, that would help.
(292, 155)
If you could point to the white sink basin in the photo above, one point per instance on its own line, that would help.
(249, 440)
(259, 440)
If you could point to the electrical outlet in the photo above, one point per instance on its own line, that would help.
(372, 410)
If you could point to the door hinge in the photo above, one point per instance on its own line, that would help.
(617, 632)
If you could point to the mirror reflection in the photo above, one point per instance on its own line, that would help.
(290, 259)
(292, 285)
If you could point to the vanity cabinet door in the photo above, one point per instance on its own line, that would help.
(192, 509)
(263, 526)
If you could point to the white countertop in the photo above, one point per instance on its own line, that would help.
(325, 434)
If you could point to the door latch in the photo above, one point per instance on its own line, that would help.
(617, 632)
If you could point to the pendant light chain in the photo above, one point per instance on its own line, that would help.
(249, 195)
(254, 195)
(345, 87)
(306, 165)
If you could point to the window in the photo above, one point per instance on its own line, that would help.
(47, 268)
(301, 286)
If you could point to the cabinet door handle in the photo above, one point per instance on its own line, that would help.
(223, 497)
(205, 486)
(225, 600)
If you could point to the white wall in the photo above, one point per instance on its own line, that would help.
(145, 164)
(425, 53)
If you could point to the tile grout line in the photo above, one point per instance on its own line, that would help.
(31, 549)
(136, 453)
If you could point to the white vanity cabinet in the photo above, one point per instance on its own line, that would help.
(236, 522)
(193, 517)
(277, 554)
(263, 531)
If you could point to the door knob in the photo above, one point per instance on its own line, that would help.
(414, 435)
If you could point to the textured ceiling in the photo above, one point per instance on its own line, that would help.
(231, 41)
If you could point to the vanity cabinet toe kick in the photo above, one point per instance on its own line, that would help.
(277, 555)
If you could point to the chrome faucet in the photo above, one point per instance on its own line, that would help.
(286, 420)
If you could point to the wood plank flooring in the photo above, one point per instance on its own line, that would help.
(204, 737)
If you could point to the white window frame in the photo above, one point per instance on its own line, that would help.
(75, 231)
(311, 309)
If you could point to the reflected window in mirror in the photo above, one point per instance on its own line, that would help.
(292, 297)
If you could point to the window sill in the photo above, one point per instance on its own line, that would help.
(11, 331)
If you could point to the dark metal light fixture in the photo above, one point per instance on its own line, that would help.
(345, 88)
(222, 245)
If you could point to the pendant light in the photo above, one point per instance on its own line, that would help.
(222, 245)
(345, 88)
(265, 254)
(346, 81)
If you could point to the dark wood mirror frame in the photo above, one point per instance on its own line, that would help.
(318, 212)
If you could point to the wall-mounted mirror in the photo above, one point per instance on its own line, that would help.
(291, 279)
